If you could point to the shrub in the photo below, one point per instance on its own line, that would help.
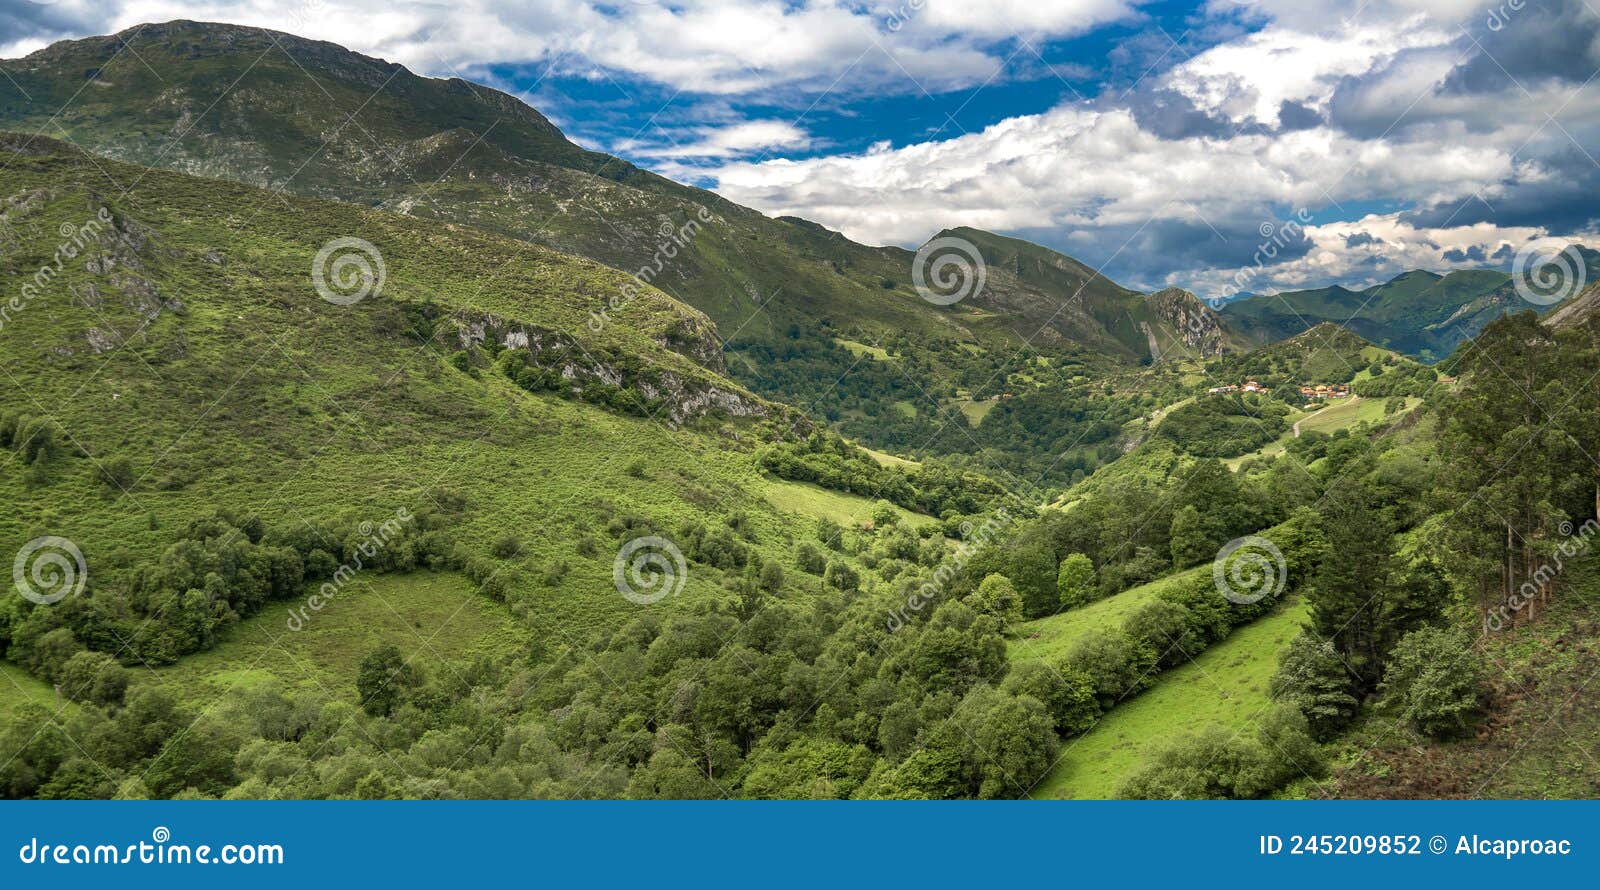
(1221, 763)
(998, 597)
(1114, 663)
(810, 558)
(1075, 581)
(94, 677)
(507, 547)
(1067, 694)
(1312, 678)
(1165, 628)
(1436, 678)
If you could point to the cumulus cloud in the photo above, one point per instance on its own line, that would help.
(1419, 133)
(1167, 183)
(706, 46)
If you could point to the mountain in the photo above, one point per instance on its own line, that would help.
(1032, 288)
(1420, 313)
(311, 118)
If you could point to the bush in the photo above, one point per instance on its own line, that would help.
(1220, 763)
(1067, 694)
(810, 559)
(94, 677)
(998, 597)
(1075, 581)
(1312, 678)
(841, 576)
(507, 547)
(1436, 678)
(1164, 627)
(1114, 663)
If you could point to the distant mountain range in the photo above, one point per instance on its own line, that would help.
(1421, 313)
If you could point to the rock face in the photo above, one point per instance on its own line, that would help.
(683, 396)
(1191, 321)
(1578, 309)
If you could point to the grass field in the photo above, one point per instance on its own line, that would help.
(436, 619)
(1226, 684)
(17, 687)
(1338, 415)
(886, 459)
(1052, 637)
(878, 353)
(814, 502)
(975, 411)
(1349, 413)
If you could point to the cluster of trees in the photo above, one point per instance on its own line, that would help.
(762, 694)
(1060, 423)
(1225, 425)
(36, 441)
(932, 488)
(1389, 380)
(222, 568)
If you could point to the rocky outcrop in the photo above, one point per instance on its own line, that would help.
(1189, 320)
(682, 396)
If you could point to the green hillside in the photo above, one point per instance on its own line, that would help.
(309, 118)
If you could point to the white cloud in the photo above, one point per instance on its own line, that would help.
(1076, 167)
(735, 140)
(706, 46)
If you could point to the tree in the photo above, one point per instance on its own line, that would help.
(383, 681)
(884, 515)
(1114, 663)
(94, 677)
(810, 559)
(1075, 581)
(1436, 678)
(997, 596)
(1312, 678)
(1350, 595)
(841, 576)
(1163, 627)
(772, 577)
(1067, 694)
(1196, 537)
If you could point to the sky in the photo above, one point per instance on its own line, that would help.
(1225, 146)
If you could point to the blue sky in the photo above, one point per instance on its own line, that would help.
(1221, 146)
